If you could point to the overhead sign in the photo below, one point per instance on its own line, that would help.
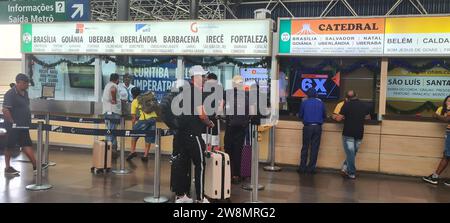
(158, 79)
(225, 37)
(417, 36)
(432, 85)
(332, 37)
(44, 11)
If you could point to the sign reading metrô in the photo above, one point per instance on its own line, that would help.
(44, 11)
(221, 37)
(338, 37)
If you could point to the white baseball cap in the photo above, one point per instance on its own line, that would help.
(197, 70)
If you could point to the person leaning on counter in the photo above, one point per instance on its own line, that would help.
(443, 114)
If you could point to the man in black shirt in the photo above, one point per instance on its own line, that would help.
(16, 110)
(188, 142)
(354, 112)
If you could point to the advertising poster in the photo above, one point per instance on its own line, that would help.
(326, 85)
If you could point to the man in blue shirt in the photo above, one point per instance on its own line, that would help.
(312, 112)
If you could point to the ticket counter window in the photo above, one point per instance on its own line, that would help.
(332, 81)
(71, 82)
(417, 87)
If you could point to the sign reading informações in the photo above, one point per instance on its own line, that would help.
(236, 37)
(417, 36)
(336, 37)
(44, 11)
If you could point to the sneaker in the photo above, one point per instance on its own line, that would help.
(11, 171)
(131, 156)
(183, 199)
(447, 183)
(144, 159)
(345, 174)
(430, 179)
(44, 166)
(204, 201)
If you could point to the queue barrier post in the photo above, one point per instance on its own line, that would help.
(156, 198)
(38, 185)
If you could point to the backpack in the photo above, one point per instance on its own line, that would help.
(148, 102)
(167, 115)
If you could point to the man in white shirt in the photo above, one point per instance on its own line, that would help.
(125, 89)
(112, 107)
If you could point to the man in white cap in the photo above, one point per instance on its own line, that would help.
(188, 143)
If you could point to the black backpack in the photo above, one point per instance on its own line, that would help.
(167, 116)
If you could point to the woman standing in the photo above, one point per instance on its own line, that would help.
(443, 114)
(236, 103)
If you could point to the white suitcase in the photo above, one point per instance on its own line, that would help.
(217, 173)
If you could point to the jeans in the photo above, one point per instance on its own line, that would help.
(447, 144)
(110, 125)
(234, 141)
(149, 125)
(351, 146)
(311, 137)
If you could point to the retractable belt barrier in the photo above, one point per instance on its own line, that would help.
(96, 132)
(73, 119)
(76, 119)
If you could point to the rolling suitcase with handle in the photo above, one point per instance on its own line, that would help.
(217, 174)
(101, 156)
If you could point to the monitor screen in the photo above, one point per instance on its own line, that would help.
(48, 91)
(82, 76)
(253, 76)
(326, 85)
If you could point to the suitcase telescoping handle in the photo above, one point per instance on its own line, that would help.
(218, 132)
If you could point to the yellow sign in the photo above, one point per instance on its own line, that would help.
(418, 25)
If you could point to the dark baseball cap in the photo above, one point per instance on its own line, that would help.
(22, 77)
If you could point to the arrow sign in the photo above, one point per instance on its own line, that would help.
(79, 9)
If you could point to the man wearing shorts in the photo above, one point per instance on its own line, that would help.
(16, 110)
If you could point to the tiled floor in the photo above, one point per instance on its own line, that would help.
(73, 182)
